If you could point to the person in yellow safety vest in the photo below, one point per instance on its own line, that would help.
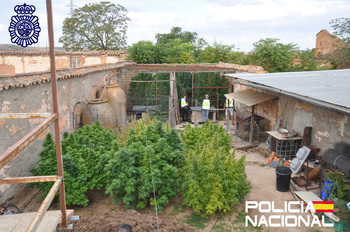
(229, 106)
(185, 108)
(206, 107)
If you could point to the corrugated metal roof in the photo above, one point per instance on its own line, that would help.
(331, 86)
(250, 97)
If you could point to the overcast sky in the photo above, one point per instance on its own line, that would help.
(237, 22)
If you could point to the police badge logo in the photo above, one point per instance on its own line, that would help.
(24, 27)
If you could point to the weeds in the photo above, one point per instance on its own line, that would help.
(239, 223)
(176, 210)
(222, 227)
(197, 220)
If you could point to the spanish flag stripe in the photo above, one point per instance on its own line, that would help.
(323, 202)
(324, 211)
(323, 206)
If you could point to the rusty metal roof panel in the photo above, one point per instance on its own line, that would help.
(250, 97)
(330, 86)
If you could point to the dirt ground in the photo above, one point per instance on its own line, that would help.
(102, 215)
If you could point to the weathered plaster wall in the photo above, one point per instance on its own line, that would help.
(11, 65)
(112, 59)
(89, 61)
(328, 127)
(33, 99)
(35, 63)
(16, 62)
(62, 62)
(25, 64)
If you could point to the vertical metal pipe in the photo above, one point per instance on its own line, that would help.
(172, 82)
(55, 110)
(192, 86)
(226, 119)
(156, 89)
(217, 98)
(195, 113)
(251, 125)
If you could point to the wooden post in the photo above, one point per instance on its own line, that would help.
(251, 125)
(27, 179)
(44, 207)
(14, 150)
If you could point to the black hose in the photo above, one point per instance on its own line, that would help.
(214, 224)
(86, 106)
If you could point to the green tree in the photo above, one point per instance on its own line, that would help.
(176, 52)
(219, 52)
(272, 55)
(341, 27)
(190, 50)
(95, 26)
(307, 59)
(182, 47)
(143, 52)
(177, 33)
(341, 56)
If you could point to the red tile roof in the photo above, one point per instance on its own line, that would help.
(27, 79)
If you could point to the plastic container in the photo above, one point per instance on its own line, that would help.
(283, 178)
(328, 186)
(338, 226)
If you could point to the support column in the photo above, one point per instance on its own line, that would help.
(251, 125)
(171, 104)
(192, 86)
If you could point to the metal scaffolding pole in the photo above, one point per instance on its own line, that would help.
(15, 150)
(55, 111)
